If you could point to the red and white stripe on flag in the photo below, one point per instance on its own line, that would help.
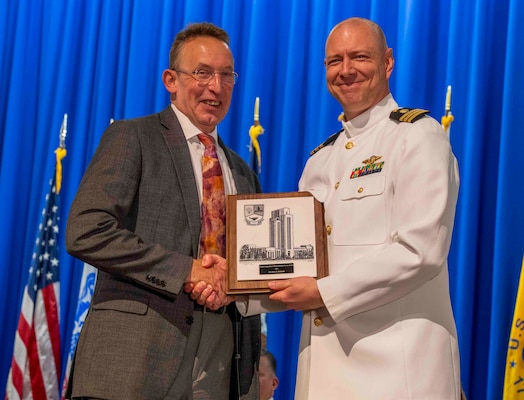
(35, 368)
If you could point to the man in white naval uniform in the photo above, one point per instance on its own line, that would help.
(381, 324)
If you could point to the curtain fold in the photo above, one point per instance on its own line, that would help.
(98, 60)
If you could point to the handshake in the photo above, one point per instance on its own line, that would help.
(206, 284)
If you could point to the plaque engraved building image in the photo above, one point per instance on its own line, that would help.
(273, 236)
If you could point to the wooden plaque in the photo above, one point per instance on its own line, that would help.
(273, 236)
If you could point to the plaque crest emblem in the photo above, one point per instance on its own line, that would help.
(254, 214)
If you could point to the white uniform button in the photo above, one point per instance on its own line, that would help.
(349, 145)
(337, 185)
(318, 321)
(360, 189)
(329, 229)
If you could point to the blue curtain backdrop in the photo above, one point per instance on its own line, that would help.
(96, 60)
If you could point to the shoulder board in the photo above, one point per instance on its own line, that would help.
(408, 114)
(330, 140)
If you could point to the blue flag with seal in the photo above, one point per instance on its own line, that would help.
(87, 286)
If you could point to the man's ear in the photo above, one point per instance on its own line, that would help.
(390, 61)
(275, 383)
(169, 80)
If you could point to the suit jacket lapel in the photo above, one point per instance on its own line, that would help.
(181, 158)
(241, 182)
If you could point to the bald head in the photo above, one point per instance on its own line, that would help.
(358, 65)
(374, 29)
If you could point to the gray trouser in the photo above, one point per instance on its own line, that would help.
(207, 360)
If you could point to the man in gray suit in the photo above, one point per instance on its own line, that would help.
(136, 217)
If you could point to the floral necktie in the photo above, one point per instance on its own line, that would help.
(213, 234)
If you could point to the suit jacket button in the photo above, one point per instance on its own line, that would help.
(148, 278)
(163, 283)
(189, 319)
(318, 321)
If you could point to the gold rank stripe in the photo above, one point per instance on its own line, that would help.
(412, 114)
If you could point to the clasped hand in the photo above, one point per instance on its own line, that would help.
(206, 282)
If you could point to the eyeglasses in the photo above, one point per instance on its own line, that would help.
(205, 75)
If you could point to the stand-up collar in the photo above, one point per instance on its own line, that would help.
(371, 117)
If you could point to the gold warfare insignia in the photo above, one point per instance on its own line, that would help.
(371, 160)
(371, 166)
(408, 114)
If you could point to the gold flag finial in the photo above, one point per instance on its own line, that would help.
(255, 131)
(447, 118)
(60, 154)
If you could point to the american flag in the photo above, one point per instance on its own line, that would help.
(35, 368)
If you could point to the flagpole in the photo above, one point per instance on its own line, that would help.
(254, 132)
(60, 154)
(63, 132)
(447, 118)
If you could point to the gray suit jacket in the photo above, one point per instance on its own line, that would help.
(136, 217)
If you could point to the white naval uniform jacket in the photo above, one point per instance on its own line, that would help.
(387, 331)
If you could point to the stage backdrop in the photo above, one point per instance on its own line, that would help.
(96, 60)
